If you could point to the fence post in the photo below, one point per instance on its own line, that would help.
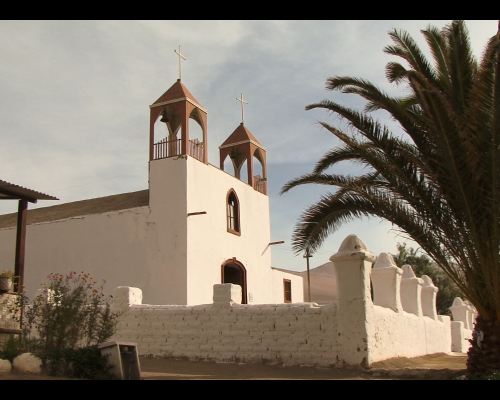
(429, 294)
(411, 291)
(353, 264)
(386, 279)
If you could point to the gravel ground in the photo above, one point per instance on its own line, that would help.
(432, 367)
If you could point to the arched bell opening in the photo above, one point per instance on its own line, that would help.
(196, 145)
(259, 171)
(243, 172)
(167, 133)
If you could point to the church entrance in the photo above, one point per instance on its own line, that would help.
(234, 272)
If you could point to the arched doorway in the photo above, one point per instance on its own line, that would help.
(234, 272)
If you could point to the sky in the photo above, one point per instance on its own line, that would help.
(75, 96)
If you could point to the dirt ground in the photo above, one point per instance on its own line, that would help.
(432, 367)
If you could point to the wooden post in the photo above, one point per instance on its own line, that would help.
(307, 257)
(20, 251)
(20, 244)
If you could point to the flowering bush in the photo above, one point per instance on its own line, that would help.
(6, 273)
(69, 312)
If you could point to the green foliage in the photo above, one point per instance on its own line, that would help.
(422, 265)
(81, 363)
(433, 171)
(66, 321)
(11, 349)
(492, 376)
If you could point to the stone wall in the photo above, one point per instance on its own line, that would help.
(397, 318)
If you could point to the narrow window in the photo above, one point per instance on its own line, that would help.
(233, 213)
(287, 286)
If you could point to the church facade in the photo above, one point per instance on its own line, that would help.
(197, 225)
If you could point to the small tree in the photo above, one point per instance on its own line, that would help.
(422, 265)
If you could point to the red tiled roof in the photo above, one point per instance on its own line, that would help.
(240, 134)
(176, 91)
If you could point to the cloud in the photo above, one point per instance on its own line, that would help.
(74, 109)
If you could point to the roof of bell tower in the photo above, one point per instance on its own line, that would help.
(176, 92)
(240, 135)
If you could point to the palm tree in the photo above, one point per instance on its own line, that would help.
(439, 183)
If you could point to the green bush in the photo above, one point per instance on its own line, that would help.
(494, 376)
(81, 363)
(11, 349)
(64, 324)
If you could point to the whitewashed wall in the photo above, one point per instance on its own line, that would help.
(174, 258)
(464, 315)
(210, 245)
(353, 331)
(120, 247)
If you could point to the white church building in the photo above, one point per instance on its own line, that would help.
(195, 226)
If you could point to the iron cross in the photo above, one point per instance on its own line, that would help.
(180, 55)
(242, 114)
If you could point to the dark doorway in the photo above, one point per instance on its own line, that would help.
(234, 272)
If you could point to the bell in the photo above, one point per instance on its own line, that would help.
(164, 118)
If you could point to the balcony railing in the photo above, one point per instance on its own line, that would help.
(172, 148)
(259, 184)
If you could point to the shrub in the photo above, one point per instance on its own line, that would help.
(11, 349)
(81, 363)
(66, 321)
(493, 376)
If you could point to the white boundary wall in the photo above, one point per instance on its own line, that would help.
(353, 331)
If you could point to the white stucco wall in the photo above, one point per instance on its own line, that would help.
(210, 244)
(277, 289)
(175, 259)
(292, 334)
(121, 247)
(394, 334)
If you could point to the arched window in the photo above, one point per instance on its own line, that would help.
(233, 213)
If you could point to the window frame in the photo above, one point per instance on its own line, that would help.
(233, 213)
(287, 282)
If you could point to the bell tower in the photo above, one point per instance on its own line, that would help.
(242, 146)
(175, 108)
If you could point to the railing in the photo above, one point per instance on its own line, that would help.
(195, 149)
(259, 184)
(167, 148)
(172, 148)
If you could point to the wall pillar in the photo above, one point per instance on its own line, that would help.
(227, 294)
(124, 297)
(411, 291)
(460, 312)
(429, 294)
(386, 279)
(353, 264)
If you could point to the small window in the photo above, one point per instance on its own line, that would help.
(287, 286)
(233, 213)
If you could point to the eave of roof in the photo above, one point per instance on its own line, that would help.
(240, 135)
(176, 92)
(10, 191)
(80, 208)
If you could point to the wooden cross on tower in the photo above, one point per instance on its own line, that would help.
(242, 114)
(180, 55)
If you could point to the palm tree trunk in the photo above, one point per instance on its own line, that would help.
(483, 356)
